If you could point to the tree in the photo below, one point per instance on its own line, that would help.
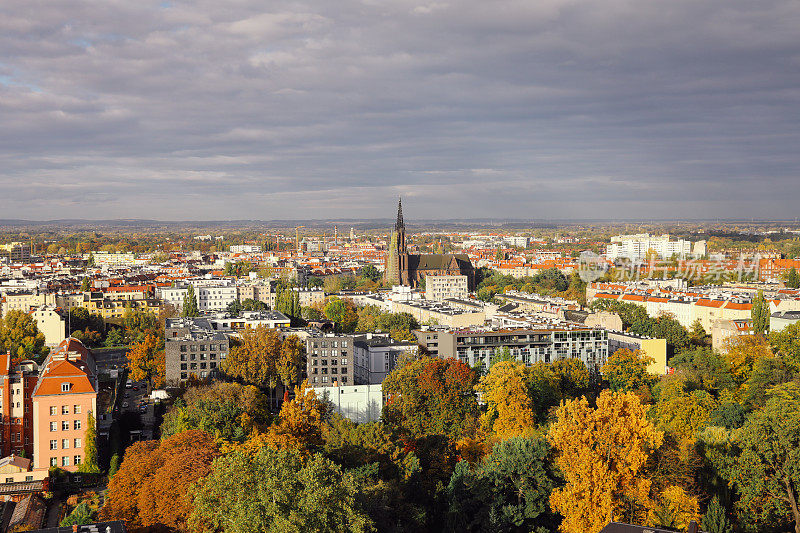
(507, 491)
(291, 361)
(274, 491)
(82, 514)
(139, 323)
(343, 313)
(431, 396)
(767, 472)
(716, 520)
(146, 361)
(20, 336)
(792, 278)
(681, 410)
(627, 371)
(85, 284)
(601, 453)
(742, 351)
(115, 338)
(697, 334)
(234, 308)
(299, 424)
(786, 342)
(509, 413)
(674, 509)
(189, 308)
(255, 359)
(371, 273)
(89, 464)
(759, 314)
(149, 489)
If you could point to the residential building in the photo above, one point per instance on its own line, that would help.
(250, 319)
(723, 329)
(17, 384)
(52, 322)
(442, 314)
(655, 348)
(17, 252)
(547, 343)
(17, 469)
(779, 321)
(330, 361)
(245, 249)
(64, 398)
(210, 298)
(636, 247)
(438, 288)
(376, 355)
(193, 348)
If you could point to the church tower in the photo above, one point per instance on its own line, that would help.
(396, 257)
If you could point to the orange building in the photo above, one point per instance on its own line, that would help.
(64, 397)
(16, 389)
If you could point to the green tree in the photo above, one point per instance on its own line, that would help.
(234, 308)
(507, 491)
(759, 314)
(113, 465)
(792, 278)
(274, 491)
(89, 464)
(82, 514)
(627, 371)
(716, 519)
(85, 284)
(343, 313)
(767, 473)
(190, 308)
(786, 343)
(371, 273)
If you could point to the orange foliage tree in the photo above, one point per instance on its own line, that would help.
(601, 453)
(146, 361)
(150, 488)
(263, 359)
(504, 389)
(299, 424)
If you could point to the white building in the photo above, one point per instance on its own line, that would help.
(251, 319)
(359, 403)
(438, 288)
(245, 249)
(636, 247)
(209, 298)
(51, 323)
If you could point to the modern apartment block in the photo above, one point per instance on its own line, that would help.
(64, 398)
(193, 348)
(343, 360)
(16, 402)
(548, 343)
(636, 247)
(209, 298)
(439, 288)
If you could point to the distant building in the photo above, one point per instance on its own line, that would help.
(438, 288)
(251, 319)
(52, 322)
(723, 329)
(245, 249)
(17, 252)
(330, 361)
(636, 247)
(359, 403)
(403, 268)
(193, 348)
(655, 348)
(440, 313)
(779, 321)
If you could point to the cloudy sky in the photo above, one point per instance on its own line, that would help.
(262, 109)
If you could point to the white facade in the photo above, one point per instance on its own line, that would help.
(113, 258)
(359, 403)
(245, 249)
(635, 247)
(51, 324)
(209, 298)
(438, 288)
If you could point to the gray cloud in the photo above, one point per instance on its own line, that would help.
(547, 109)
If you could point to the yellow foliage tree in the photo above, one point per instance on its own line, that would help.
(741, 353)
(675, 509)
(146, 361)
(602, 452)
(299, 424)
(510, 413)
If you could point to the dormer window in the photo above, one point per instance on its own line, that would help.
(65, 387)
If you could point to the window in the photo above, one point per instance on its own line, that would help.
(65, 409)
(344, 371)
(183, 375)
(65, 387)
(53, 426)
(183, 357)
(53, 411)
(76, 409)
(28, 478)
(77, 424)
(193, 357)
(64, 444)
(53, 444)
(77, 443)
(54, 461)
(65, 460)
(183, 347)
(9, 480)
(183, 366)
(65, 425)
(77, 460)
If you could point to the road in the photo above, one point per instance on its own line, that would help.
(135, 400)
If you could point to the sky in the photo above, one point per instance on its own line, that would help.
(535, 109)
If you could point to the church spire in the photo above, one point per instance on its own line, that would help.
(399, 224)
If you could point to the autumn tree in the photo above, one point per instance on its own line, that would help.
(342, 312)
(262, 359)
(674, 508)
(20, 336)
(291, 360)
(149, 489)
(146, 361)
(509, 409)
(626, 371)
(139, 323)
(681, 409)
(741, 353)
(299, 424)
(601, 452)
(275, 491)
(786, 343)
(431, 396)
(189, 308)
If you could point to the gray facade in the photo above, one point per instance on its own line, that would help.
(478, 346)
(330, 361)
(193, 348)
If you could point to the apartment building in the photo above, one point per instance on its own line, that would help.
(17, 252)
(636, 247)
(655, 348)
(330, 361)
(439, 313)
(209, 297)
(52, 322)
(529, 345)
(439, 288)
(16, 403)
(376, 355)
(64, 397)
(193, 348)
(250, 319)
